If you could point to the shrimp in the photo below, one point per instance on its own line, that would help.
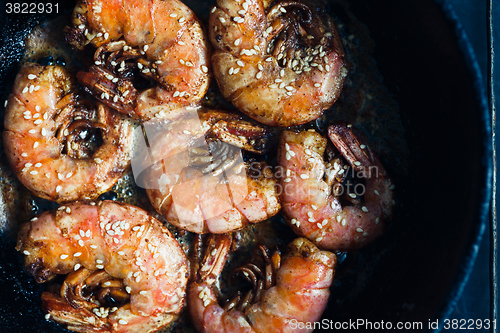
(162, 41)
(200, 183)
(281, 65)
(288, 291)
(126, 272)
(51, 137)
(320, 203)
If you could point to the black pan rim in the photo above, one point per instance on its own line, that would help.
(483, 210)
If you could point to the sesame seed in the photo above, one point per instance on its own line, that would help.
(339, 218)
(392, 187)
(24, 155)
(352, 195)
(25, 90)
(58, 188)
(80, 242)
(377, 220)
(47, 316)
(99, 266)
(287, 180)
(128, 289)
(317, 85)
(93, 247)
(137, 279)
(357, 163)
(359, 230)
(364, 209)
(292, 153)
(143, 292)
(99, 261)
(106, 35)
(259, 75)
(343, 222)
(38, 122)
(319, 225)
(222, 20)
(314, 207)
(319, 239)
(304, 176)
(122, 322)
(31, 76)
(77, 254)
(25, 252)
(63, 256)
(32, 131)
(287, 156)
(237, 42)
(204, 69)
(236, 70)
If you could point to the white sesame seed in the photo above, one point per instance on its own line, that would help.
(319, 239)
(93, 247)
(287, 156)
(128, 289)
(99, 261)
(58, 188)
(24, 155)
(292, 153)
(364, 209)
(317, 85)
(357, 163)
(310, 214)
(314, 207)
(38, 122)
(237, 42)
(222, 20)
(25, 252)
(352, 195)
(106, 35)
(63, 256)
(304, 176)
(343, 222)
(287, 180)
(77, 267)
(143, 292)
(259, 75)
(99, 266)
(359, 230)
(122, 322)
(377, 220)
(204, 69)
(25, 90)
(77, 254)
(80, 242)
(392, 187)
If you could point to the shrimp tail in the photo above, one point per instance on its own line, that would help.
(101, 83)
(355, 148)
(78, 319)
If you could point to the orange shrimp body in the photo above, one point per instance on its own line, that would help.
(334, 220)
(220, 195)
(281, 65)
(299, 294)
(44, 137)
(161, 40)
(101, 246)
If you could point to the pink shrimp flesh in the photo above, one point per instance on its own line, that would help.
(282, 65)
(287, 291)
(161, 41)
(320, 203)
(107, 248)
(200, 183)
(50, 137)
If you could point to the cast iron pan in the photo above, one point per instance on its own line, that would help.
(420, 266)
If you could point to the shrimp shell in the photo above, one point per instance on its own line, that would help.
(36, 154)
(165, 38)
(299, 296)
(271, 65)
(122, 240)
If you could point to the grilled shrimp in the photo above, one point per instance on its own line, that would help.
(287, 291)
(201, 183)
(282, 65)
(161, 41)
(51, 137)
(126, 272)
(320, 202)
